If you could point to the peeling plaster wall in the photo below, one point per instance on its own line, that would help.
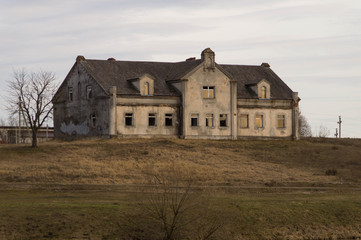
(141, 109)
(270, 109)
(75, 118)
(194, 103)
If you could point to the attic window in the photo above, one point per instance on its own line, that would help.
(88, 92)
(263, 92)
(70, 94)
(146, 88)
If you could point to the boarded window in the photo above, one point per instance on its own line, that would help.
(244, 121)
(70, 94)
(281, 121)
(209, 120)
(223, 120)
(129, 119)
(152, 119)
(194, 119)
(88, 92)
(263, 92)
(208, 92)
(169, 119)
(146, 88)
(259, 121)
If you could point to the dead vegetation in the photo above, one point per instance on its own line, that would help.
(211, 163)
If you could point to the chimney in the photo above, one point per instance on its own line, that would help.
(111, 59)
(266, 65)
(190, 59)
(80, 58)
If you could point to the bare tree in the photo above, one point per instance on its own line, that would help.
(30, 95)
(172, 210)
(304, 126)
(323, 131)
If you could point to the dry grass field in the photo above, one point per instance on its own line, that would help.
(92, 189)
(314, 162)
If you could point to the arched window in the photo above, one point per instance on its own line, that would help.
(146, 88)
(263, 92)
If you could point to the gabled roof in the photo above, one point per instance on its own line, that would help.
(108, 73)
(252, 75)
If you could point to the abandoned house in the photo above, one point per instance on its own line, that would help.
(195, 98)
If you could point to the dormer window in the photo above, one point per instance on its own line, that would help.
(264, 89)
(146, 88)
(263, 92)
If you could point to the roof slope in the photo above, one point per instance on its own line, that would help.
(248, 75)
(110, 73)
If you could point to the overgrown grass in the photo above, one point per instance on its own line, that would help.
(259, 189)
(234, 163)
(41, 214)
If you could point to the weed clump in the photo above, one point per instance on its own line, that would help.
(331, 172)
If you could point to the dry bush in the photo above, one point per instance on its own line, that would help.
(170, 209)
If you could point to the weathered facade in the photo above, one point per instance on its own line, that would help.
(196, 98)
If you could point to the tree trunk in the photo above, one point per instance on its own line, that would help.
(35, 139)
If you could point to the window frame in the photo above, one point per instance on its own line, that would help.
(263, 92)
(128, 115)
(223, 123)
(93, 120)
(152, 116)
(261, 117)
(244, 116)
(70, 94)
(167, 119)
(89, 92)
(206, 90)
(282, 118)
(195, 116)
(210, 117)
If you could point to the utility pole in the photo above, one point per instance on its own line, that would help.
(19, 134)
(336, 134)
(339, 126)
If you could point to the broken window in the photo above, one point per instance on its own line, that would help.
(70, 94)
(169, 119)
(88, 92)
(223, 120)
(244, 121)
(152, 119)
(259, 121)
(208, 92)
(209, 120)
(129, 119)
(281, 121)
(194, 119)
(93, 120)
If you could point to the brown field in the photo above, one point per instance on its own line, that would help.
(87, 189)
(212, 163)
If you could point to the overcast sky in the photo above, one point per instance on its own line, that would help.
(313, 45)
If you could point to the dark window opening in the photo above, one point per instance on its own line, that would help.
(169, 119)
(194, 120)
(223, 120)
(129, 119)
(151, 119)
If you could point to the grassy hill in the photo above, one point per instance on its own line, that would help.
(314, 162)
(258, 189)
